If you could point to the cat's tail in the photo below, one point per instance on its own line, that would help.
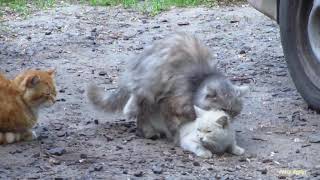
(108, 101)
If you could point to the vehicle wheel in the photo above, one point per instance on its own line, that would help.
(300, 36)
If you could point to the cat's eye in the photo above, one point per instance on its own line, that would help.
(210, 96)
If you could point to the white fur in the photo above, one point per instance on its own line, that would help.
(206, 135)
(10, 137)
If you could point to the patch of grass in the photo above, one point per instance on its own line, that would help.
(159, 5)
(154, 6)
(24, 7)
(125, 3)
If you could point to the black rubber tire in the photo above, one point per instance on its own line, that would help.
(293, 18)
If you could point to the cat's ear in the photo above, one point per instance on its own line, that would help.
(51, 72)
(32, 81)
(223, 121)
(199, 111)
(242, 90)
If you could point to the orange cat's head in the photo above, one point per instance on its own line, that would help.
(38, 87)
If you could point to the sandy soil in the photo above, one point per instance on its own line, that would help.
(88, 44)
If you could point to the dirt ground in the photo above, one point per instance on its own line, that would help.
(92, 44)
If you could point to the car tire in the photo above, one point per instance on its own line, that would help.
(301, 57)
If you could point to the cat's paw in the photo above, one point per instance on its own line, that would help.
(151, 135)
(8, 137)
(204, 153)
(237, 150)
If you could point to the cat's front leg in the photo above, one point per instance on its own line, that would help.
(236, 150)
(178, 110)
(195, 147)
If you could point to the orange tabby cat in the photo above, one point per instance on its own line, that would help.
(20, 100)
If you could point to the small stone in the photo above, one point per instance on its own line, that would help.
(54, 161)
(156, 27)
(96, 121)
(48, 33)
(57, 151)
(138, 174)
(36, 155)
(183, 23)
(263, 171)
(234, 21)
(61, 134)
(108, 138)
(243, 159)
(314, 138)
(196, 163)
(138, 48)
(102, 73)
(298, 151)
(98, 167)
(118, 148)
(242, 51)
(157, 169)
(126, 38)
(282, 177)
(267, 161)
(83, 156)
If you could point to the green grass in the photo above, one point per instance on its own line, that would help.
(125, 3)
(24, 7)
(153, 7)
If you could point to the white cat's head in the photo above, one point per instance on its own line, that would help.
(213, 129)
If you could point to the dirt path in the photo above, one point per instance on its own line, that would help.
(92, 44)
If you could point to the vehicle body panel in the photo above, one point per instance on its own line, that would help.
(267, 7)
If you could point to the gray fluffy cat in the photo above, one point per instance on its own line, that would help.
(169, 77)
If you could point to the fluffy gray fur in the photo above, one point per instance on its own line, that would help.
(169, 77)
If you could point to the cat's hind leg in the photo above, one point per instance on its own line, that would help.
(138, 110)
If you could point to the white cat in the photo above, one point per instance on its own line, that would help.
(209, 133)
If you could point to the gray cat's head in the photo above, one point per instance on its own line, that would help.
(220, 93)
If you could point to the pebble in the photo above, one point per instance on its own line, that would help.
(57, 151)
(54, 161)
(62, 134)
(196, 163)
(183, 23)
(267, 161)
(138, 174)
(156, 169)
(48, 33)
(314, 138)
(98, 167)
(103, 73)
(83, 156)
(263, 171)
